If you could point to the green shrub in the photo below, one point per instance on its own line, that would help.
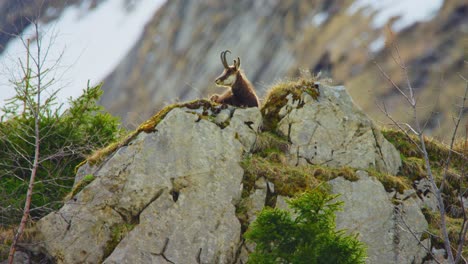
(66, 138)
(306, 236)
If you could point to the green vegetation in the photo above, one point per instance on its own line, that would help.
(118, 232)
(454, 225)
(66, 138)
(269, 143)
(79, 186)
(414, 167)
(438, 152)
(391, 182)
(307, 237)
(288, 179)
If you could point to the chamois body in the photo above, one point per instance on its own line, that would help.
(241, 92)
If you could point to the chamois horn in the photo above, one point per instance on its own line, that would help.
(223, 58)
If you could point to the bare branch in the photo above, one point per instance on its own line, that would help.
(412, 101)
(454, 134)
(464, 228)
(400, 126)
(415, 236)
(392, 82)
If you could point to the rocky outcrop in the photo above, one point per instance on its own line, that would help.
(391, 231)
(174, 188)
(173, 193)
(332, 131)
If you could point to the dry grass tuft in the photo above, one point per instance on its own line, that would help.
(276, 98)
(148, 127)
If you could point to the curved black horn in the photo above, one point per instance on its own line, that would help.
(223, 58)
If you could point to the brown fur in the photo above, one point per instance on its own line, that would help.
(241, 92)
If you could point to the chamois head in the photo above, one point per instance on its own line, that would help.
(229, 75)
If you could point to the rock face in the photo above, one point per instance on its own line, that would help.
(382, 225)
(332, 131)
(177, 188)
(170, 195)
(388, 229)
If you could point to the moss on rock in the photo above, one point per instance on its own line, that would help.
(392, 182)
(80, 185)
(118, 232)
(438, 152)
(288, 179)
(454, 226)
(414, 167)
(277, 98)
(149, 126)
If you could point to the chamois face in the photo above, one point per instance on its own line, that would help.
(227, 78)
(229, 75)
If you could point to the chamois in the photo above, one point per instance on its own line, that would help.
(241, 92)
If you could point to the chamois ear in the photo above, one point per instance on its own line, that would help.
(237, 63)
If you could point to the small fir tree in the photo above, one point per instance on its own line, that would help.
(306, 236)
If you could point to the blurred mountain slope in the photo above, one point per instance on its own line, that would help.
(178, 56)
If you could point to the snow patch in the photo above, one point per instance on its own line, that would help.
(319, 18)
(91, 43)
(407, 11)
(377, 45)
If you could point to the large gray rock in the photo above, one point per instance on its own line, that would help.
(426, 195)
(253, 205)
(175, 189)
(256, 201)
(332, 131)
(390, 231)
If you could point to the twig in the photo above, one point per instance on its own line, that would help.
(454, 134)
(409, 96)
(392, 82)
